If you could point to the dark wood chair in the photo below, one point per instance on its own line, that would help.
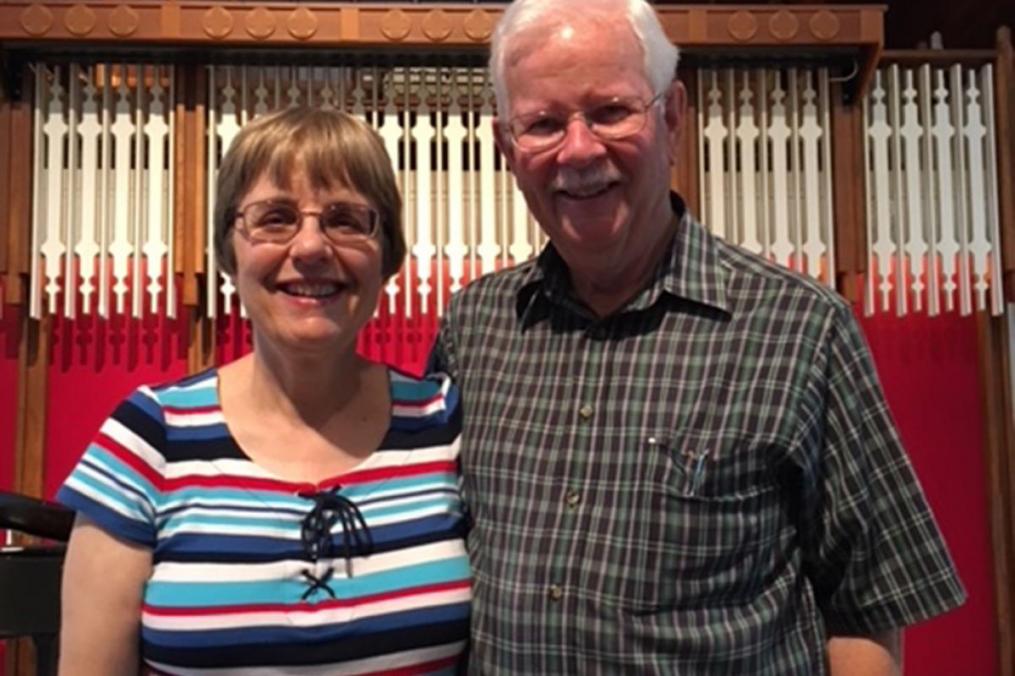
(30, 575)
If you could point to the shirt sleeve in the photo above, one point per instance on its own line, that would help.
(873, 553)
(442, 355)
(117, 482)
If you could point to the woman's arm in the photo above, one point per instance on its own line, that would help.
(103, 582)
(877, 655)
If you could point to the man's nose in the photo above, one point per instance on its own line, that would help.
(580, 146)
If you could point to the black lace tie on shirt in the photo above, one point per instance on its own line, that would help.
(330, 508)
(318, 583)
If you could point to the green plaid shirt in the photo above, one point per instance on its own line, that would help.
(706, 482)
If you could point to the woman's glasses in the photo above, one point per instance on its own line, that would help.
(277, 222)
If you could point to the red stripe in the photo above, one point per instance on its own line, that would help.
(211, 408)
(303, 605)
(127, 457)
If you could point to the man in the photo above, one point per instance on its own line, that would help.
(677, 455)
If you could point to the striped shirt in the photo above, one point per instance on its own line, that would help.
(707, 481)
(235, 587)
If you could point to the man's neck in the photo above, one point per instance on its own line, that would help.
(606, 291)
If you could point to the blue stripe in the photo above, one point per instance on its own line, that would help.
(110, 521)
(224, 593)
(197, 433)
(105, 463)
(190, 397)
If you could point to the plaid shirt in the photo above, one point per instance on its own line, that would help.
(705, 482)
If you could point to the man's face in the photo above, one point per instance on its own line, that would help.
(603, 203)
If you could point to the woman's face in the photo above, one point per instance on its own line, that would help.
(309, 294)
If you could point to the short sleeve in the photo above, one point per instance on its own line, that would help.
(873, 552)
(442, 355)
(117, 482)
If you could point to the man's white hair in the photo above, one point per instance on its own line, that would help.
(661, 55)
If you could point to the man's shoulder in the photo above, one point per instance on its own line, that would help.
(754, 279)
(492, 288)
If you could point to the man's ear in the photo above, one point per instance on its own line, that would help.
(502, 138)
(674, 113)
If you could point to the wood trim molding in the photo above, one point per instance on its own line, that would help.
(715, 30)
(185, 22)
(685, 176)
(999, 442)
(33, 378)
(1004, 77)
(189, 206)
(16, 209)
(849, 198)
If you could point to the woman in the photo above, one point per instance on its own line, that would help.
(296, 511)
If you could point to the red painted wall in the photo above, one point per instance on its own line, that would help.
(94, 363)
(929, 370)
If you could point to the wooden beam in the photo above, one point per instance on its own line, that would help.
(18, 211)
(850, 199)
(685, 176)
(189, 210)
(999, 442)
(33, 378)
(1004, 77)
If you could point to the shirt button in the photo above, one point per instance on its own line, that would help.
(585, 412)
(556, 593)
(572, 498)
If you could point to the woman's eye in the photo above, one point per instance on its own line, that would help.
(274, 218)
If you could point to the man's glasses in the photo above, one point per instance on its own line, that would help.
(615, 119)
(278, 222)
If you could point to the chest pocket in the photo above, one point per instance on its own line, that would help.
(705, 523)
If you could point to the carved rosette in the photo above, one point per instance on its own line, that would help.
(123, 21)
(259, 23)
(36, 20)
(742, 26)
(302, 23)
(395, 25)
(80, 20)
(437, 25)
(217, 22)
(478, 25)
(824, 25)
(783, 25)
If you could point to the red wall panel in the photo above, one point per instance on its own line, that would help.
(10, 335)
(94, 363)
(929, 370)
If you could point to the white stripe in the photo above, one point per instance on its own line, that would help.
(366, 665)
(310, 617)
(127, 438)
(192, 419)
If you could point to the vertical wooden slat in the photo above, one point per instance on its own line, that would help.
(5, 183)
(850, 198)
(19, 207)
(999, 440)
(189, 209)
(1004, 73)
(684, 176)
(189, 183)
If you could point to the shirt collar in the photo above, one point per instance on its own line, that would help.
(690, 271)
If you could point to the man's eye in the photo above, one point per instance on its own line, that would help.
(609, 114)
(543, 126)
